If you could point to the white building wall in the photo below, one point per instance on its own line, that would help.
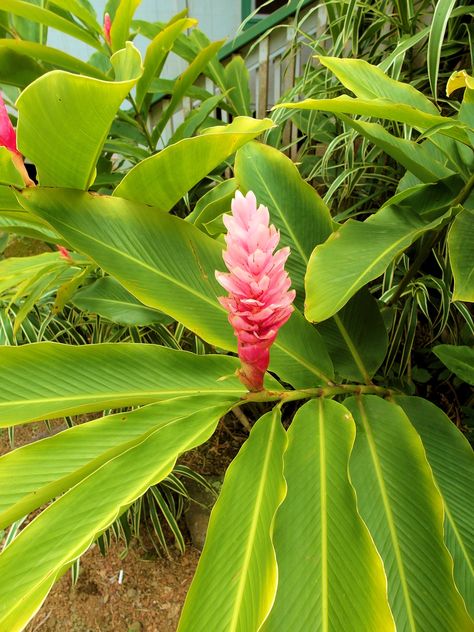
(218, 19)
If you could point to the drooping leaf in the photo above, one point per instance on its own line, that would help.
(64, 135)
(164, 178)
(49, 545)
(459, 359)
(461, 255)
(51, 56)
(452, 462)
(45, 17)
(330, 574)
(402, 507)
(236, 578)
(9, 174)
(169, 264)
(32, 475)
(16, 69)
(110, 299)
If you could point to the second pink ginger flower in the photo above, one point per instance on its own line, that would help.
(259, 300)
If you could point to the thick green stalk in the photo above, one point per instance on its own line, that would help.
(311, 393)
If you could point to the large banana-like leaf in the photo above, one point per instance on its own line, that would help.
(360, 251)
(45, 380)
(64, 135)
(402, 507)
(330, 574)
(164, 178)
(169, 264)
(236, 578)
(296, 209)
(452, 462)
(461, 255)
(48, 546)
(33, 474)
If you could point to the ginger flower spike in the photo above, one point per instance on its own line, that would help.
(259, 300)
(107, 27)
(8, 140)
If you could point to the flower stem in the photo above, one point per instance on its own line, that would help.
(309, 393)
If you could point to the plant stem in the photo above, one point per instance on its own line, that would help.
(309, 393)
(142, 123)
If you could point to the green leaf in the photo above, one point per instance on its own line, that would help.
(236, 578)
(110, 299)
(236, 77)
(385, 109)
(51, 56)
(169, 264)
(415, 157)
(360, 251)
(156, 54)
(295, 208)
(46, 380)
(452, 462)
(65, 135)
(16, 69)
(163, 179)
(370, 82)
(356, 338)
(48, 18)
(183, 82)
(16, 270)
(459, 359)
(197, 117)
(439, 22)
(32, 475)
(326, 580)
(119, 32)
(213, 203)
(48, 546)
(401, 505)
(461, 255)
(8, 172)
(82, 10)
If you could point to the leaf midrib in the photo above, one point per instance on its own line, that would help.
(388, 514)
(234, 622)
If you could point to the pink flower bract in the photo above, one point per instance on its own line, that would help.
(259, 300)
(7, 133)
(8, 140)
(107, 27)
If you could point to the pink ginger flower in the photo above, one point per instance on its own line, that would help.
(107, 27)
(8, 140)
(259, 300)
